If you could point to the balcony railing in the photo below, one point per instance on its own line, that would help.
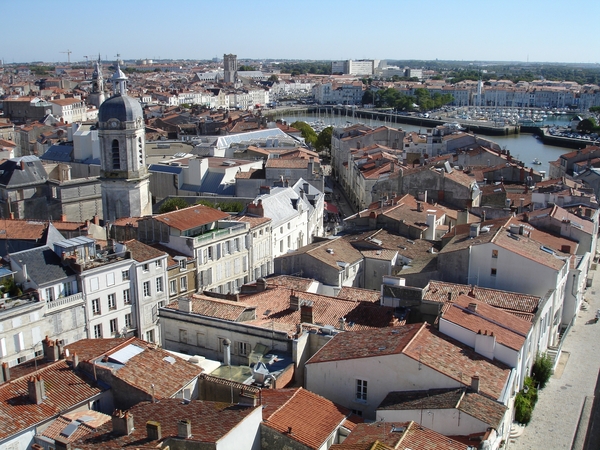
(65, 301)
(217, 234)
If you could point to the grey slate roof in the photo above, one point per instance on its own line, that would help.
(278, 204)
(61, 153)
(43, 265)
(121, 107)
(22, 171)
(166, 169)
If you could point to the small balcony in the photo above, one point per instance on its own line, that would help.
(65, 302)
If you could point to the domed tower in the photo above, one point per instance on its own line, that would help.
(96, 97)
(123, 173)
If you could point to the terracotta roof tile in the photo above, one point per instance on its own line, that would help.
(65, 388)
(142, 252)
(192, 217)
(210, 422)
(312, 418)
(383, 435)
(458, 361)
(213, 307)
(509, 330)
(509, 301)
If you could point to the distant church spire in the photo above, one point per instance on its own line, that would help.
(119, 81)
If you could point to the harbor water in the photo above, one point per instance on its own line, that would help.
(524, 147)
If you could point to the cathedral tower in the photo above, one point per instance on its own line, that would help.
(123, 173)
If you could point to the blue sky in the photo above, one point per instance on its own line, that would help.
(488, 30)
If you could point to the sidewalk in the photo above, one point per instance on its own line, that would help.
(557, 412)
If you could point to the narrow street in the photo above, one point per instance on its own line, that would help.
(563, 416)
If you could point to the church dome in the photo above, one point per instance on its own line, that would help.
(120, 107)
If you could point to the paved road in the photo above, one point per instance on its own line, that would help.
(556, 415)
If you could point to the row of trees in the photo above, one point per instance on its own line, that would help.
(392, 98)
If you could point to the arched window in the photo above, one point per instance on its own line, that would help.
(116, 156)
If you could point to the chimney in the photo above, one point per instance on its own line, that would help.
(12, 216)
(36, 389)
(521, 229)
(475, 383)
(261, 285)
(294, 302)
(264, 190)
(565, 248)
(51, 351)
(474, 230)
(306, 312)
(248, 399)
(227, 352)
(184, 429)
(96, 220)
(62, 443)
(472, 307)
(343, 323)
(153, 430)
(256, 210)
(63, 217)
(5, 372)
(419, 208)
(305, 187)
(185, 304)
(75, 361)
(449, 296)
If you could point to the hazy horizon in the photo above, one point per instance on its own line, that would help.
(465, 30)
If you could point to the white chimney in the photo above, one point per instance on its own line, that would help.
(430, 231)
(227, 352)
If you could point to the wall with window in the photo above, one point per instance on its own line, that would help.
(152, 286)
(338, 381)
(109, 297)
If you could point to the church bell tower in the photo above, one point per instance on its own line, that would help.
(123, 174)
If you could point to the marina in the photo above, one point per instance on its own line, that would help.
(523, 146)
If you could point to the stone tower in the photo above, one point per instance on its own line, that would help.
(123, 173)
(230, 68)
(96, 97)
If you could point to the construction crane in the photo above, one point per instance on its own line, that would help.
(68, 52)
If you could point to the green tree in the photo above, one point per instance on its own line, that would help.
(542, 369)
(587, 125)
(244, 68)
(172, 204)
(368, 97)
(323, 142)
(309, 135)
(228, 206)
(273, 78)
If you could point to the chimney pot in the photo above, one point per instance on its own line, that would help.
(475, 383)
(5, 372)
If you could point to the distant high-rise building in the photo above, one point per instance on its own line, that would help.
(230, 68)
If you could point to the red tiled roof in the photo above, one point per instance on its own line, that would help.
(192, 217)
(312, 418)
(438, 291)
(367, 343)
(457, 361)
(214, 307)
(509, 330)
(210, 422)
(142, 252)
(65, 389)
(384, 435)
